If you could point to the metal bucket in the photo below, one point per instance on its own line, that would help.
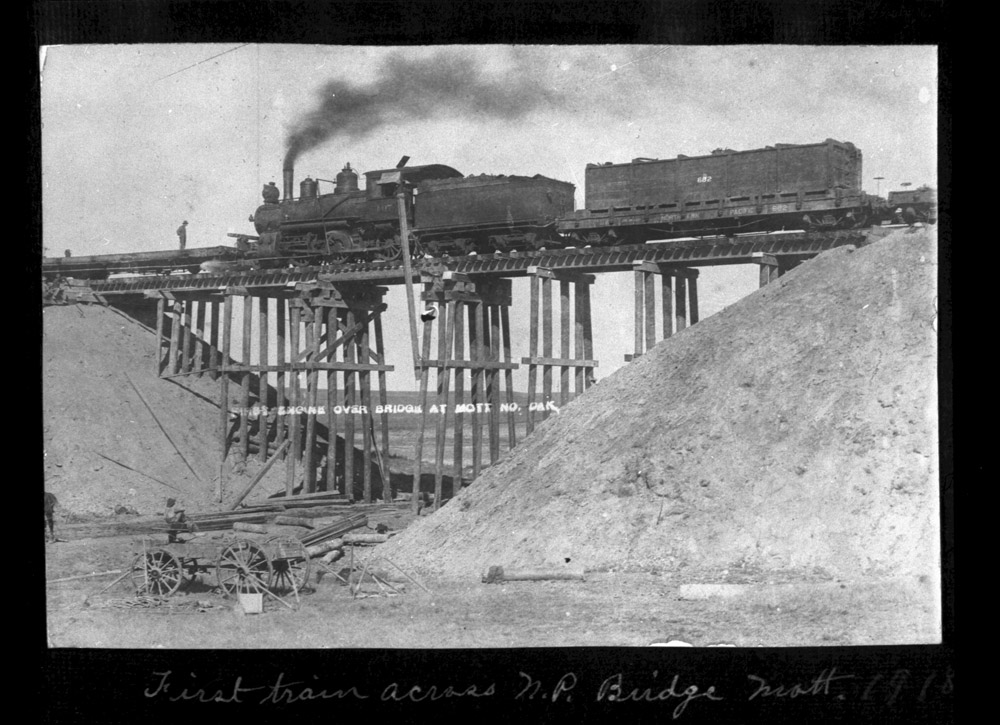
(252, 602)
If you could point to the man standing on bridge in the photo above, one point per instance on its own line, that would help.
(182, 234)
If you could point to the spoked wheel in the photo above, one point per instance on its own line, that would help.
(289, 564)
(390, 253)
(243, 566)
(156, 572)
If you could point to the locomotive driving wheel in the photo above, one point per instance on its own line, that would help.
(289, 564)
(243, 566)
(390, 253)
(156, 572)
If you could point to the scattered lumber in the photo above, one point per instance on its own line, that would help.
(224, 522)
(497, 574)
(332, 555)
(328, 502)
(261, 508)
(293, 521)
(366, 538)
(325, 547)
(84, 576)
(307, 496)
(249, 528)
(336, 529)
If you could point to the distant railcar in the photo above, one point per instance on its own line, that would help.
(811, 186)
(914, 205)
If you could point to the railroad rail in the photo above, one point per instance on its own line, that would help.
(691, 253)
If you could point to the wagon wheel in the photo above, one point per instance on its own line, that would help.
(243, 567)
(156, 572)
(289, 564)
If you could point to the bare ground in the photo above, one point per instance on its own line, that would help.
(608, 609)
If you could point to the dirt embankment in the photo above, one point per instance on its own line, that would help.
(794, 431)
(92, 413)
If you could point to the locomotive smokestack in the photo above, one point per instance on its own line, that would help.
(289, 179)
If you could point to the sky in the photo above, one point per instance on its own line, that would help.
(137, 138)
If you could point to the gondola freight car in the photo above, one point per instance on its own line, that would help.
(785, 186)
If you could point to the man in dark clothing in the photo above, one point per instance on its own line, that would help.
(182, 234)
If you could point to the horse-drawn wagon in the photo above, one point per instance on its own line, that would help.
(242, 564)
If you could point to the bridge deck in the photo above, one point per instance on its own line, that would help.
(687, 253)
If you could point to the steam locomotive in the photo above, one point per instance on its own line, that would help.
(448, 212)
(785, 186)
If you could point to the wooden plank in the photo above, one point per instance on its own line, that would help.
(280, 423)
(494, 387)
(649, 304)
(546, 343)
(227, 323)
(200, 348)
(263, 353)
(186, 330)
(444, 350)
(331, 403)
(312, 378)
(558, 361)
(292, 381)
(459, 392)
(160, 307)
(175, 335)
(578, 376)
(680, 303)
(693, 299)
(480, 392)
(477, 364)
(638, 317)
(366, 419)
(345, 337)
(588, 334)
(441, 373)
(305, 367)
(419, 448)
(564, 321)
(245, 380)
(533, 317)
(349, 400)
(383, 394)
(667, 295)
(214, 358)
(508, 379)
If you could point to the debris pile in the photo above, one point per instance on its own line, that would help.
(795, 431)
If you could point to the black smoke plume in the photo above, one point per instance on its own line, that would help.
(447, 83)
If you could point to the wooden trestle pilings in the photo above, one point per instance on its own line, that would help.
(318, 327)
(483, 306)
(540, 315)
(773, 266)
(679, 297)
(323, 326)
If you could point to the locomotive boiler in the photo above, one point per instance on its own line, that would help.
(446, 211)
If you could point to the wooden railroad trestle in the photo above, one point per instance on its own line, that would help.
(319, 327)
(679, 298)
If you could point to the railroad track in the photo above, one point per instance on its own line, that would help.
(695, 252)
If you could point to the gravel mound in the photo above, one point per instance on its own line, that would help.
(795, 431)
